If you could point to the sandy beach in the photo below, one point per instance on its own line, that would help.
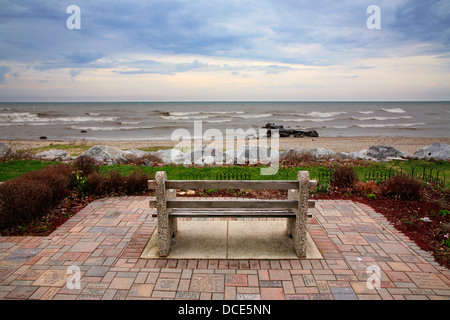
(337, 144)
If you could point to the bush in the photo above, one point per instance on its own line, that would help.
(136, 182)
(344, 177)
(115, 183)
(368, 187)
(402, 187)
(86, 165)
(33, 194)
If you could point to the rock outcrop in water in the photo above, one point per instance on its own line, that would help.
(289, 132)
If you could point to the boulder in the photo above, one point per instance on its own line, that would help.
(360, 155)
(138, 153)
(438, 151)
(53, 155)
(169, 156)
(386, 152)
(204, 155)
(6, 150)
(255, 154)
(108, 154)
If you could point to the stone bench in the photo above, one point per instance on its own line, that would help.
(294, 208)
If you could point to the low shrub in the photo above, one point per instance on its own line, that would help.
(86, 165)
(344, 177)
(32, 195)
(114, 183)
(368, 187)
(136, 182)
(402, 187)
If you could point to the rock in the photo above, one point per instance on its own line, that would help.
(169, 156)
(53, 155)
(360, 155)
(148, 163)
(438, 151)
(322, 153)
(209, 160)
(6, 150)
(289, 132)
(138, 153)
(385, 152)
(255, 154)
(111, 155)
(43, 137)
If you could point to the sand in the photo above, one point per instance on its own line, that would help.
(337, 144)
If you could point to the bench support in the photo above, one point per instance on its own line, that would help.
(296, 227)
(167, 226)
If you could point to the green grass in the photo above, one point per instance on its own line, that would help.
(72, 150)
(14, 168)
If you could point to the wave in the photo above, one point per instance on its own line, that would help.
(125, 123)
(174, 118)
(307, 120)
(365, 112)
(255, 116)
(204, 112)
(380, 118)
(400, 125)
(109, 128)
(317, 114)
(33, 117)
(394, 110)
(218, 121)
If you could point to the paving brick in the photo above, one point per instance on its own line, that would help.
(106, 238)
(272, 294)
(121, 283)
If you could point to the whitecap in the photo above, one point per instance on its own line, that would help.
(109, 128)
(198, 117)
(380, 118)
(394, 110)
(318, 114)
(365, 112)
(307, 120)
(255, 116)
(400, 125)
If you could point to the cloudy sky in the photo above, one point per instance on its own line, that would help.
(230, 50)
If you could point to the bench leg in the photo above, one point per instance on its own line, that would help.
(292, 195)
(166, 225)
(171, 194)
(297, 228)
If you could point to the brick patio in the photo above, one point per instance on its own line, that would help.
(105, 240)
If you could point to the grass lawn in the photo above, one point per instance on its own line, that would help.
(366, 171)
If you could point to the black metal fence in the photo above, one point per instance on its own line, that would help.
(422, 173)
(427, 174)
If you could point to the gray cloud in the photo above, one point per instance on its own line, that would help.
(315, 33)
(3, 71)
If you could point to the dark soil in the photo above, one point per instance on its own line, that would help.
(419, 220)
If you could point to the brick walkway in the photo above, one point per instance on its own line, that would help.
(105, 240)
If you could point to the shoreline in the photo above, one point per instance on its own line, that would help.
(337, 144)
